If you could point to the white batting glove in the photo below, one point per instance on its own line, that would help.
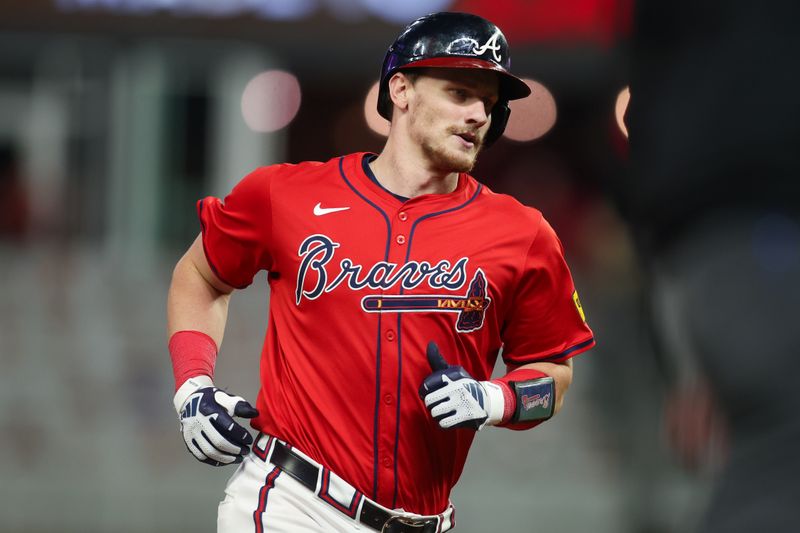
(208, 429)
(455, 399)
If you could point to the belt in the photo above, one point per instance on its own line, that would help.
(371, 514)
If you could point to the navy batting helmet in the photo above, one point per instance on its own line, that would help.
(454, 40)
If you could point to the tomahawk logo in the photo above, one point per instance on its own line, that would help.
(492, 45)
(191, 408)
(470, 308)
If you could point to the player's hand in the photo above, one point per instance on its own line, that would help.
(455, 399)
(208, 428)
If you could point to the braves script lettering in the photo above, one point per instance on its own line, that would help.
(529, 402)
(317, 251)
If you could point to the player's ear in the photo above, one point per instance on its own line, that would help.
(400, 89)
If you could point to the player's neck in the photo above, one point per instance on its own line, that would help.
(410, 176)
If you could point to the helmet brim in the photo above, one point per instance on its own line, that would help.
(511, 87)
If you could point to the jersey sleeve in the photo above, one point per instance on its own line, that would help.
(237, 230)
(546, 321)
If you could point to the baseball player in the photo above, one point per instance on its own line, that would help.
(395, 280)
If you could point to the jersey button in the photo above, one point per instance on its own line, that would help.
(401, 239)
(402, 216)
(389, 335)
(387, 462)
(387, 399)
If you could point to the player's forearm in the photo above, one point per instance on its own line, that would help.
(193, 302)
(561, 374)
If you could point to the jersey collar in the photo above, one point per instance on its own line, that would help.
(353, 168)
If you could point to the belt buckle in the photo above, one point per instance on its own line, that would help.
(404, 522)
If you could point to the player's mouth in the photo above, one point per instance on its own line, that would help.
(468, 139)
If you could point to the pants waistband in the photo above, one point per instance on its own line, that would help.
(345, 498)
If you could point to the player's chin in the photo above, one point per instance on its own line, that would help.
(462, 155)
(451, 156)
(463, 160)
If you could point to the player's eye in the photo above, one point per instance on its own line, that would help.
(458, 94)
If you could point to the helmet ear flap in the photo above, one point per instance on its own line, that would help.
(500, 114)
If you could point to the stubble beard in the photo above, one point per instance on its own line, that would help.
(449, 160)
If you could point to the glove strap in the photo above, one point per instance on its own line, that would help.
(189, 387)
(496, 406)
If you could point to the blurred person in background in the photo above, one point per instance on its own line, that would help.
(714, 199)
(14, 209)
(368, 430)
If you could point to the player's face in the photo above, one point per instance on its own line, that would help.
(450, 115)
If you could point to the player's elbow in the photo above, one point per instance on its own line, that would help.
(563, 381)
(183, 273)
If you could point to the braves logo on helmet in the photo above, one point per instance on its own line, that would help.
(492, 45)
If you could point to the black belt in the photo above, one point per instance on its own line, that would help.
(371, 515)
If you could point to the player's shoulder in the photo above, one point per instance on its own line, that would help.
(288, 170)
(509, 208)
(278, 176)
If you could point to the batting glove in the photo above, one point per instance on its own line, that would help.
(455, 399)
(208, 428)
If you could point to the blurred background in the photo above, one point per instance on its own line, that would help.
(117, 115)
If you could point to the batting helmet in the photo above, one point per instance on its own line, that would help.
(454, 40)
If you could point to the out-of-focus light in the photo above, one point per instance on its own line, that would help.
(405, 11)
(376, 123)
(533, 116)
(620, 107)
(270, 101)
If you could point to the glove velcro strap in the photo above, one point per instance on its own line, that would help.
(536, 399)
(189, 387)
(495, 404)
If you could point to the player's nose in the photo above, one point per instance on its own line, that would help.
(477, 115)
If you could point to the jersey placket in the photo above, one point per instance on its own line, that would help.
(391, 369)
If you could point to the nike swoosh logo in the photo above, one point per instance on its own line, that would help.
(319, 210)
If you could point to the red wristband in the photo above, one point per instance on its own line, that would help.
(520, 374)
(193, 354)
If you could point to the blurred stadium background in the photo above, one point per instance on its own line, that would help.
(117, 115)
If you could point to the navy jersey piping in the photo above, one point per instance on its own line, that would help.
(400, 329)
(560, 356)
(378, 341)
(369, 158)
(568, 351)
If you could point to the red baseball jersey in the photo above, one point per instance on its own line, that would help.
(361, 280)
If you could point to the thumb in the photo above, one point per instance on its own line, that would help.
(245, 410)
(235, 405)
(435, 358)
